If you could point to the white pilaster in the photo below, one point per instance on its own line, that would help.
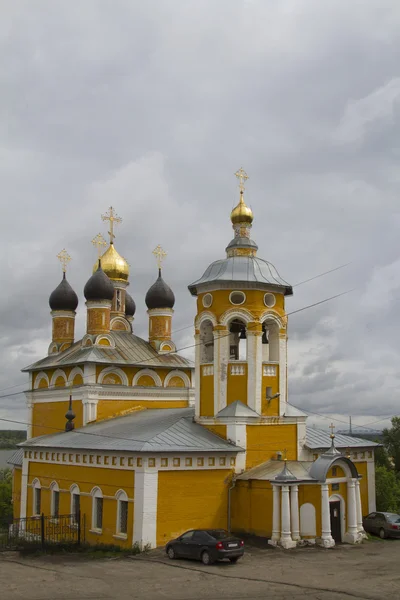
(145, 508)
(24, 488)
(237, 433)
(371, 486)
(89, 373)
(286, 536)
(29, 403)
(351, 536)
(360, 527)
(326, 539)
(254, 370)
(197, 372)
(282, 373)
(276, 515)
(294, 511)
(221, 353)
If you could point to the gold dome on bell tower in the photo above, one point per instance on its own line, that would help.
(113, 264)
(241, 213)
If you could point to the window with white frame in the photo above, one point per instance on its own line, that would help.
(75, 504)
(37, 497)
(97, 509)
(122, 513)
(55, 500)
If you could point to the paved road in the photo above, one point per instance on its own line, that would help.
(367, 572)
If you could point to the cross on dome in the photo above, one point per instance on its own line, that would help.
(112, 217)
(242, 176)
(160, 255)
(99, 242)
(332, 427)
(64, 259)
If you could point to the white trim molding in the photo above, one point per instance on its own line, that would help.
(145, 508)
(41, 375)
(75, 371)
(58, 373)
(206, 315)
(177, 373)
(237, 313)
(150, 373)
(113, 371)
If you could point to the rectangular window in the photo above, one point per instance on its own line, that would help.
(334, 471)
(123, 517)
(55, 506)
(37, 501)
(98, 513)
(76, 506)
(335, 487)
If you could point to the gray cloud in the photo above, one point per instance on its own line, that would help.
(151, 108)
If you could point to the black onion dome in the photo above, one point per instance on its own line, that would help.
(130, 306)
(63, 297)
(99, 286)
(160, 294)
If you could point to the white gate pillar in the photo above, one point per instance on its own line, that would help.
(294, 508)
(276, 515)
(351, 536)
(286, 536)
(326, 539)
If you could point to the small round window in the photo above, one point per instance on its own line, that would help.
(269, 300)
(237, 298)
(207, 300)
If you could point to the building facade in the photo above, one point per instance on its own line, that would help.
(154, 446)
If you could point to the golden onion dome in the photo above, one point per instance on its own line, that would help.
(242, 213)
(113, 265)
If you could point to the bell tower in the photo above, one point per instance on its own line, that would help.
(241, 327)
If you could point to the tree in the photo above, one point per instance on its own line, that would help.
(391, 441)
(387, 487)
(382, 458)
(6, 510)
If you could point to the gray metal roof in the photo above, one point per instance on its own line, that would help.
(319, 468)
(16, 458)
(153, 430)
(271, 470)
(248, 270)
(319, 439)
(129, 350)
(237, 409)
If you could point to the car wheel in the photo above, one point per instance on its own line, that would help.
(382, 533)
(234, 559)
(171, 553)
(206, 558)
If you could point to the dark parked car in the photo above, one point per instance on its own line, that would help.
(383, 524)
(207, 545)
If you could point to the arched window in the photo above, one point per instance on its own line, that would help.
(97, 509)
(237, 340)
(75, 504)
(55, 500)
(37, 497)
(270, 341)
(122, 513)
(206, 342)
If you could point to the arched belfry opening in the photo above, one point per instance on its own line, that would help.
(206, 342)
(237, 340)
(270, 341)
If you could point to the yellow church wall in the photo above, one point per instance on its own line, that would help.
(206, 395)
(50, 373)
(16, 491)
(52, 415)
(217, 429)
(176, 382)
(182, 498)
(362, 468)
(113, 408)
(251, 510)
(146, 380)
(264, 441)
(270, 408)
(311, 494)
(132, 371)
(254, 302)
(237, 386)
(108, 480)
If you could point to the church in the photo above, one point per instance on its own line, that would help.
(147, 444)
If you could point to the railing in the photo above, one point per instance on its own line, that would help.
(270, 369)
(207, 369)
(237, 367)
(42, 531)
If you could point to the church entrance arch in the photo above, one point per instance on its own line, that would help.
(337, 513)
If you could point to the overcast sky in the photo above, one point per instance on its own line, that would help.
(151, 107)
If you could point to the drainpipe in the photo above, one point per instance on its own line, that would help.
(229, 503)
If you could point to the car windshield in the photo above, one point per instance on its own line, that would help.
(393, 518)
(218, 534)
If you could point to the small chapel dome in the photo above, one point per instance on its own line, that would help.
(99, 286)
(113, 265)
(160, 294)
(242, 213)
(130, 306)
(63, 297)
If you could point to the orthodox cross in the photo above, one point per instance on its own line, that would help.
(332, 427)
(99, 242)
(242, 176)
(64, 259)
(111, 216)
(160, 254)
(285, 455)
